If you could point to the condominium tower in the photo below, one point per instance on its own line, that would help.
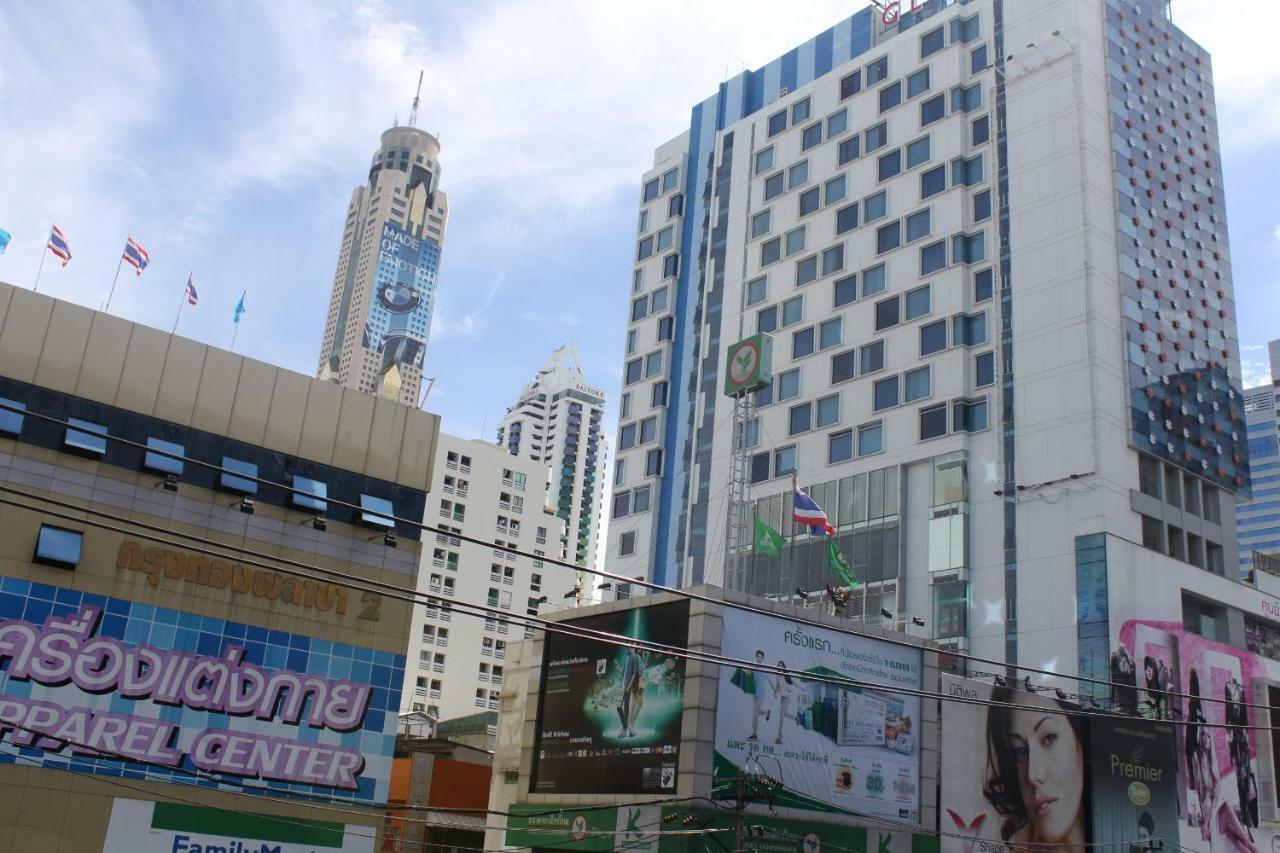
(384, 287)
(1258, 520)
(557, 421)
(986, 241)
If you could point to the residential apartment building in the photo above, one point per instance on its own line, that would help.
(558, 421)
(1258, 519)
(988, 242)
(457, 660)
(384, 287)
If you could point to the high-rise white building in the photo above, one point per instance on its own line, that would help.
(987, 241)
(456, 662)
(557, 421)
(384, 287)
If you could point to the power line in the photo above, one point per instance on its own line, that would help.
(574, 567)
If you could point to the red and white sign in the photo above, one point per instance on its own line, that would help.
(891, 11)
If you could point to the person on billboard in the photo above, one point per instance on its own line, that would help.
(1238, 745)
(784, 688)
(631, 672)
(1146, 829)
(752, 683)
(1155, 696)
(1198, 749)
(1036, 770)
(1125, 677)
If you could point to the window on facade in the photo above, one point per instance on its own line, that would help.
(658, 394)
(933, 181)
(621, 509)
(811, 136)
(933, 109)
(664, 238)
(931, 42)
(843, 366)
(873, 280)
(645, 248)
(675, 206)
(795, 241)
(847, 218)
(789, 384)
(803, 343)
(851, 84)
(978, 59)
(799, 419)
(874, 206)
(918, 152)
(982, 206)
(810, 201)
(969, 415)
(827, 411)
(798, 174)
(760, 467)
(837, 123)
(162, 464)
(966, 29)
(377, 512)
(309, 494)
(885, 393)
(833, 190)
(784, 461)
(777, 122)
(648, 430)
(640, 499)
(770, 251)
(670, 266)
(933, 421)
(849, 150)
(916, 303)
(639, 308)
(933, 337)
(653, 363)
(658, 300)
(58, 547)
(840, 446)
(1172, 487)
(970, 330)
(10, 420)
(86, 437)
(966, 98)
(967, 172)
(767, 319)
(806, 270)
(764, 160)
(889, 164)
(633, 371)
(844, 291)
(792, 310)
(933, 257)
(627, 544)
(889, 237)
(870, 438)
(984, 369)
(670, 180)
(627, 437)
(653, 463)
(774, 185)
(877, 70)
(651, 190)
(871, 357)
(757, 290)
(891, 96)
(886, 313)
(760, 223)
(877, 137)
(800, 111)
(918, 83)
(981, 129)
(830, 333)
(245, 484)
(915, 384)
(666, 327)
(1209, 500)
(918, 225)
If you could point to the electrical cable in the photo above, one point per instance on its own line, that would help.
(684, 593)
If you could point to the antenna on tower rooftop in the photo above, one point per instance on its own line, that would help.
(413, 114)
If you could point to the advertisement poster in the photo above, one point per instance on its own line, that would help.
(1028, 771)
(121, 687)
(610, 715)
(850, 749)
(400, 312)
(1219, 761)
(142, 826)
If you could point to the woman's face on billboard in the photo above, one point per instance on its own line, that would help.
(1050, 770)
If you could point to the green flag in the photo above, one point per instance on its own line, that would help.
(839, 566)
(767, 540)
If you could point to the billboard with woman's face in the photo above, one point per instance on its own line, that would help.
(1022, 768)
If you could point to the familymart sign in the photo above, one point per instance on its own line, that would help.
(141, 826)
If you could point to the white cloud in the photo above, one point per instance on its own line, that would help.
(469, 322)
(1253, 371)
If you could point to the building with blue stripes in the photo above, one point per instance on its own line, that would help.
(1258, 520)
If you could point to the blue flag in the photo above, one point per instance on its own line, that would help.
(239, 309)
(4, 240)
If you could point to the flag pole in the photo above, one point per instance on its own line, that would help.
(36, 287)
(119, 264)
(235, 332)
(181, 300)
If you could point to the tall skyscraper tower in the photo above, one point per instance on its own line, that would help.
(384, 287)
(1258, 520)
(987, 242)
(557, 421)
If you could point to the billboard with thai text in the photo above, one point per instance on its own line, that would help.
(110, 686)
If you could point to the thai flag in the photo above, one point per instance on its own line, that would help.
(808, 512)
(135, 256)
(58, 245)
(192, 296)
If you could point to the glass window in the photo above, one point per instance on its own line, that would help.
(309, 493)
(984, 369)
(933, 109)
(918, 83)
(792, 310)
(666, 328)
(757, 290)
(246, 483)
(658, 300)
(983, 284)
(833, 259)
(837, 123)
(57, 546)
(664, 238)
(377, 512)
(931, 42)
(967, 172)
(774, 185)
(777, 122)
(658, 394)
(982, 206)
(917, 303)
(86, 436)
(969, 416)
(969, 248)
(770, 251)
(653, 363)
(627, 544)
(653, 463)
(970, 329)
(670, 180)
(767, 319)
(933, 181)
(651, 190)
(891, 95)
(933, 421)
(810, 200)
(877, 137)
(847, 218)
(872, 357)
(799, 419)
(795, 241)
(915, 384)
(877, 70)
(648, 430)
(639, 308)
(760, 467)
(840, 446)
(675, 206)
(889, 164)
(885, 393)
(811, 136)
(849, 150)
(966, 98)
(760, 223)
(645, 249)
(806, 270)
(637, 281)
(918, 152)
(789, 384)
(870, 438)
(800, 111)
(851, 84)
(11, 421)
(627, 437)
(933, 257)
(842, 366)
(828, 411)
(784, 461)
(640, 499)
(874, 206)
(626, 406)
(873, 280)
(764, 160)
(918, 225)
(622, 505)
(888, 237)
(978, 59)
(633, 371)
(798, 174)
(844, 291)
(966, 29)
(1209, 500)
(833, 190)
(981, 129)
(632, 338)
(802, 343)
(933, 338)
(163, 464)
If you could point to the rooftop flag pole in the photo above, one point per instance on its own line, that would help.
(35, 288)
(188, 295)
(107, 306)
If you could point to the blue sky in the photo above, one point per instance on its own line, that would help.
(226, 138)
